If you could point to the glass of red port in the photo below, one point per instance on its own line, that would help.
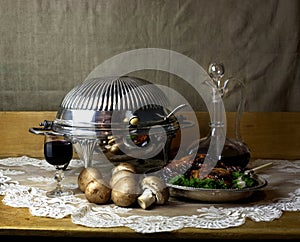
(58, 151)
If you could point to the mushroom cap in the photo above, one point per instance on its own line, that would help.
(118, 175)
(125, 192)
(87, 175)
(124, 166)
(97, 191)
(158, 188)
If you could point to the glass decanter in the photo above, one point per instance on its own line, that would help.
(235, 152)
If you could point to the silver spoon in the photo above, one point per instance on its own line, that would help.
(253, 170)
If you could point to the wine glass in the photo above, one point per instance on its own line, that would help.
(58, 151)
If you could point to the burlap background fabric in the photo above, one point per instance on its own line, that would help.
(49, 46)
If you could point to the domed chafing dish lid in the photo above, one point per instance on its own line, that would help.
(100, 105)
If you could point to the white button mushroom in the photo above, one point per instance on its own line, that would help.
(125, 191)
(97, 191)
(124, 184)
(120, 174)
(154, 191)
(121, 170)
(87, 175)
(123, 166)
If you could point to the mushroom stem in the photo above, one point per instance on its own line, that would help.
(146, 199)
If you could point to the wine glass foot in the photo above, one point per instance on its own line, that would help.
(59, 193)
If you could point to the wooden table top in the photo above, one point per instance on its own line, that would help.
(269, 135)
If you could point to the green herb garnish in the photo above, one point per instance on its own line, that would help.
(240, 180)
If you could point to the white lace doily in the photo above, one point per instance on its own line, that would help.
(24, 181)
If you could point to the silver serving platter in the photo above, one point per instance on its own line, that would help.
(215, 195)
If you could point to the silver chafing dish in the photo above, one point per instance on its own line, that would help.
(115, 119)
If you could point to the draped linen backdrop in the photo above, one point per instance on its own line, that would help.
(49, 46)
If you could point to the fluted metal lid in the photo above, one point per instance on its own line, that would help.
(114, 93)
(106, 103)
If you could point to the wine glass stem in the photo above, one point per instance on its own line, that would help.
(59, 176)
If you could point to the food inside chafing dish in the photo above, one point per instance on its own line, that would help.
(186, 172)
